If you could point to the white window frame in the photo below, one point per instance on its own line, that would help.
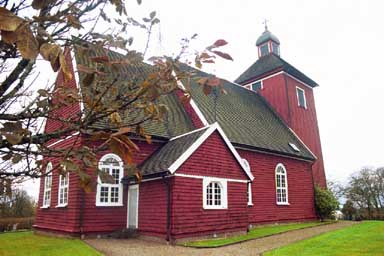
(261, 85)
(298, 98)
(249, 193)
(63, 189)
(224, 196)
(47, 195)
(269, 50)
(108, 185)
(278, 166)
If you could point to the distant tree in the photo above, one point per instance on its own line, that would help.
(336, 188)
(366, 190)
(325, 203)
(18, 204)
(349, 210)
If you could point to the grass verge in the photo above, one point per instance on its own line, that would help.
(27, 243)
(252, 234)
(366, 238)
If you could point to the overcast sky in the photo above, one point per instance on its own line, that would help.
(336, 43)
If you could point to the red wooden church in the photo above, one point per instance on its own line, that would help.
(218, 164)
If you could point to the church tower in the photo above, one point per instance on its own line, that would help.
(290, 94)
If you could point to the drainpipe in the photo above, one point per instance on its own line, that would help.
(81, 217)
(313, 184)
(167, 183)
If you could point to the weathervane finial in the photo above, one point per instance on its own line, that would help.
(265, 24)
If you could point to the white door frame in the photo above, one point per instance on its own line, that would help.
(131, 187)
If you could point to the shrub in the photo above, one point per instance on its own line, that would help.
(325, 203)
(9, 224)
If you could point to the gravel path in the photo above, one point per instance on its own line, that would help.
(136, 247)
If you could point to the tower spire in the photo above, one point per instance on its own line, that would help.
(265, 24)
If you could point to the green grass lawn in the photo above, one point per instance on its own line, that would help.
(27, 243)
(366, 238)
(254, 233)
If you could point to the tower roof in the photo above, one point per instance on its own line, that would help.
(266, 36)
(269, 64)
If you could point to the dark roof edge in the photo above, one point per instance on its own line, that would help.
(272, 152)
(266, 74)
(127, 179)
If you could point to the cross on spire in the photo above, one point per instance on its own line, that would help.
(265, 24)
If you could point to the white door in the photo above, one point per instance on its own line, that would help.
(133, 206)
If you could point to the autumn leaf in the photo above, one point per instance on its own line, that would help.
(88, 79)
(85, 69)
(8, 37)
(213, 81)
(51, 53)
(26, 42)
(64, 67)
(8, 20)
(73, 21)
(115, 118)
(223, 55)
(148, 139)
(13, 138)
(121, 131)
(207, 89)
(138, 176)
(40, 4)
(100, 59)
(16, 158)
(220, 42)
(202, 81)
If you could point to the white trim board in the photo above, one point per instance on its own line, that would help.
(208, 177)
(192, 102)
(61, 140)
(213, 127)
(188, 133)
(77, 80)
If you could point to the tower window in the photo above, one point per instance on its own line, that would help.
(301, 101)
(275, 48)
(257, 86)
(264, 49)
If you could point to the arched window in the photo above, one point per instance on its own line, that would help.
(47, 186)
(281, 184)
(63, 190)
(214, 193)
(110, 191)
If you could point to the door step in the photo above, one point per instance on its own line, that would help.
(125, 233)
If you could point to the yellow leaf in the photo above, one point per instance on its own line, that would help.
(64, 67)
(26, 42)
(115, 118)
(8, 20)
(51, 53)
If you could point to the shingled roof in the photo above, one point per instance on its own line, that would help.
(164, 157)
(272, 62)
(176, 121)
(245, 117)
